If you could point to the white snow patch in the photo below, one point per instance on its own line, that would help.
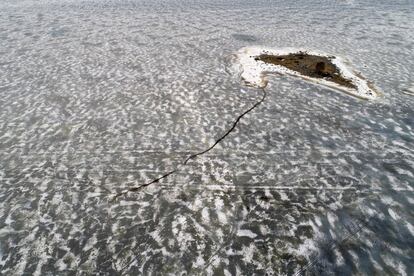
(410, 227)
(205, 215)
(393, 214)
(246, 233)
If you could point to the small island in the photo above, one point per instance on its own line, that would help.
(327, 70)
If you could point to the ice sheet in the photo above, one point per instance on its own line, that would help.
(99, 96)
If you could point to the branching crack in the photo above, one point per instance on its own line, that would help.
(191, 157)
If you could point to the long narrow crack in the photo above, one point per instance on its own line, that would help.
(193, 156)
(230, 130)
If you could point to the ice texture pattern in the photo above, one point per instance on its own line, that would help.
(100, 96)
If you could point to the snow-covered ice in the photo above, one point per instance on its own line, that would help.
(100, 96)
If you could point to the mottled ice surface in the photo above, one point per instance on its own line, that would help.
(100, 96)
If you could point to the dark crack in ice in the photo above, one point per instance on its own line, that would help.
(193, 156)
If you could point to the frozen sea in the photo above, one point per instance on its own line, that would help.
(100, 96)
